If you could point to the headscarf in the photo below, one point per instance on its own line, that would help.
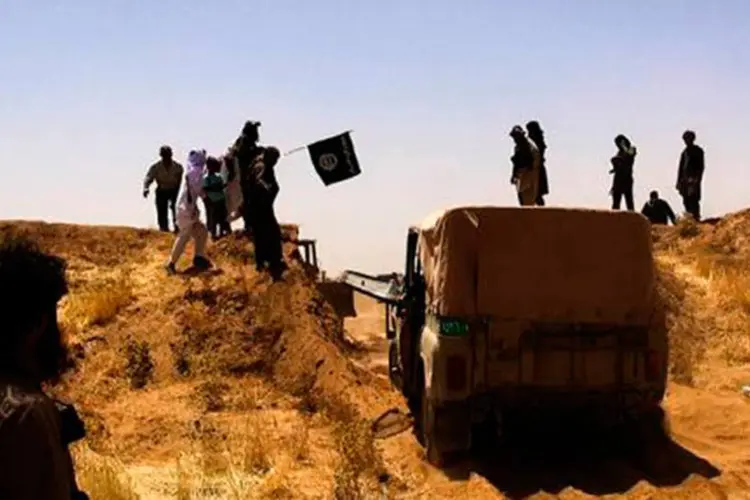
(196, 164)
(196, 159)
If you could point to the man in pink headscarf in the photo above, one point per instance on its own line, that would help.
(188, 215)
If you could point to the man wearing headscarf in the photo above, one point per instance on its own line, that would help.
(262, 191)
(188, 215)
(244, 151)
(526, 162)
(168, 176)
(690, 175)
(622, 170)
(536, 134)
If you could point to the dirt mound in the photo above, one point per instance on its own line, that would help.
(194, 365)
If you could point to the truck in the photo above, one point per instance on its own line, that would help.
(507, 313)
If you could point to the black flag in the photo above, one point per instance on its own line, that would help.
(334, 159)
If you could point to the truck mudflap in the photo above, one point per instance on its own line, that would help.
(452, 426)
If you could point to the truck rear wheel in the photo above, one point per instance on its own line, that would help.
(426, 428)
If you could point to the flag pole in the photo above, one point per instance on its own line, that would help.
(302, 148)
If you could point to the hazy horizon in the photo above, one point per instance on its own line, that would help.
(90, 90)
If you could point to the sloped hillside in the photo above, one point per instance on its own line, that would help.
(221, 384)
(705, 280)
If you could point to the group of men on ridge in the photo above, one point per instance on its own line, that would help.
(241, 183)
(529, 174)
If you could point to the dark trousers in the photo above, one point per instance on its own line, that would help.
(620, 192)
(266, 236)
(166, 199)
(246, 212)
(692, 204)
(216, 216)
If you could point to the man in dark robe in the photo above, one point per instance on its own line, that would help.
(690, 175)
(262, 191)
(244, 151)
(622, 170)
(536, 134)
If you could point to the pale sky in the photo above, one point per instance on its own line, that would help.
(90, 89)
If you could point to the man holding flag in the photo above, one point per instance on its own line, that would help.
(262, 189)
(334, 160)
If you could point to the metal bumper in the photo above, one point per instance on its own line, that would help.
(582, 405)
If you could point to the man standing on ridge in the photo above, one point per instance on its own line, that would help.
(243, 153)
(690, 175)
(622, 168)
(657, 210)
(168, 176)
(262, 191)
(526, 162)
(536, 134)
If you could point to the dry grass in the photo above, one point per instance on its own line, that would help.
(103, 478)
(299, 440)
(98, 302)
(193, 383)
(686, 338)
(257, 455)
(707, 282)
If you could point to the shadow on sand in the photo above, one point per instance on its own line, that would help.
(593, 464)
(193, 271)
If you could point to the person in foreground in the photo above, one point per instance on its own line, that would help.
(188, 215)
(657, 210)
(35, 430)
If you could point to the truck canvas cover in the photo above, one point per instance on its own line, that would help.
(545, 264)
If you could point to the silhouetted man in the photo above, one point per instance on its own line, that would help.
(262, 191)
(536, 134)
(690, 175)
(244, 151)
(168, 176)
(35, 430)
(622, 170)
(526, 162)
(657, 210)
